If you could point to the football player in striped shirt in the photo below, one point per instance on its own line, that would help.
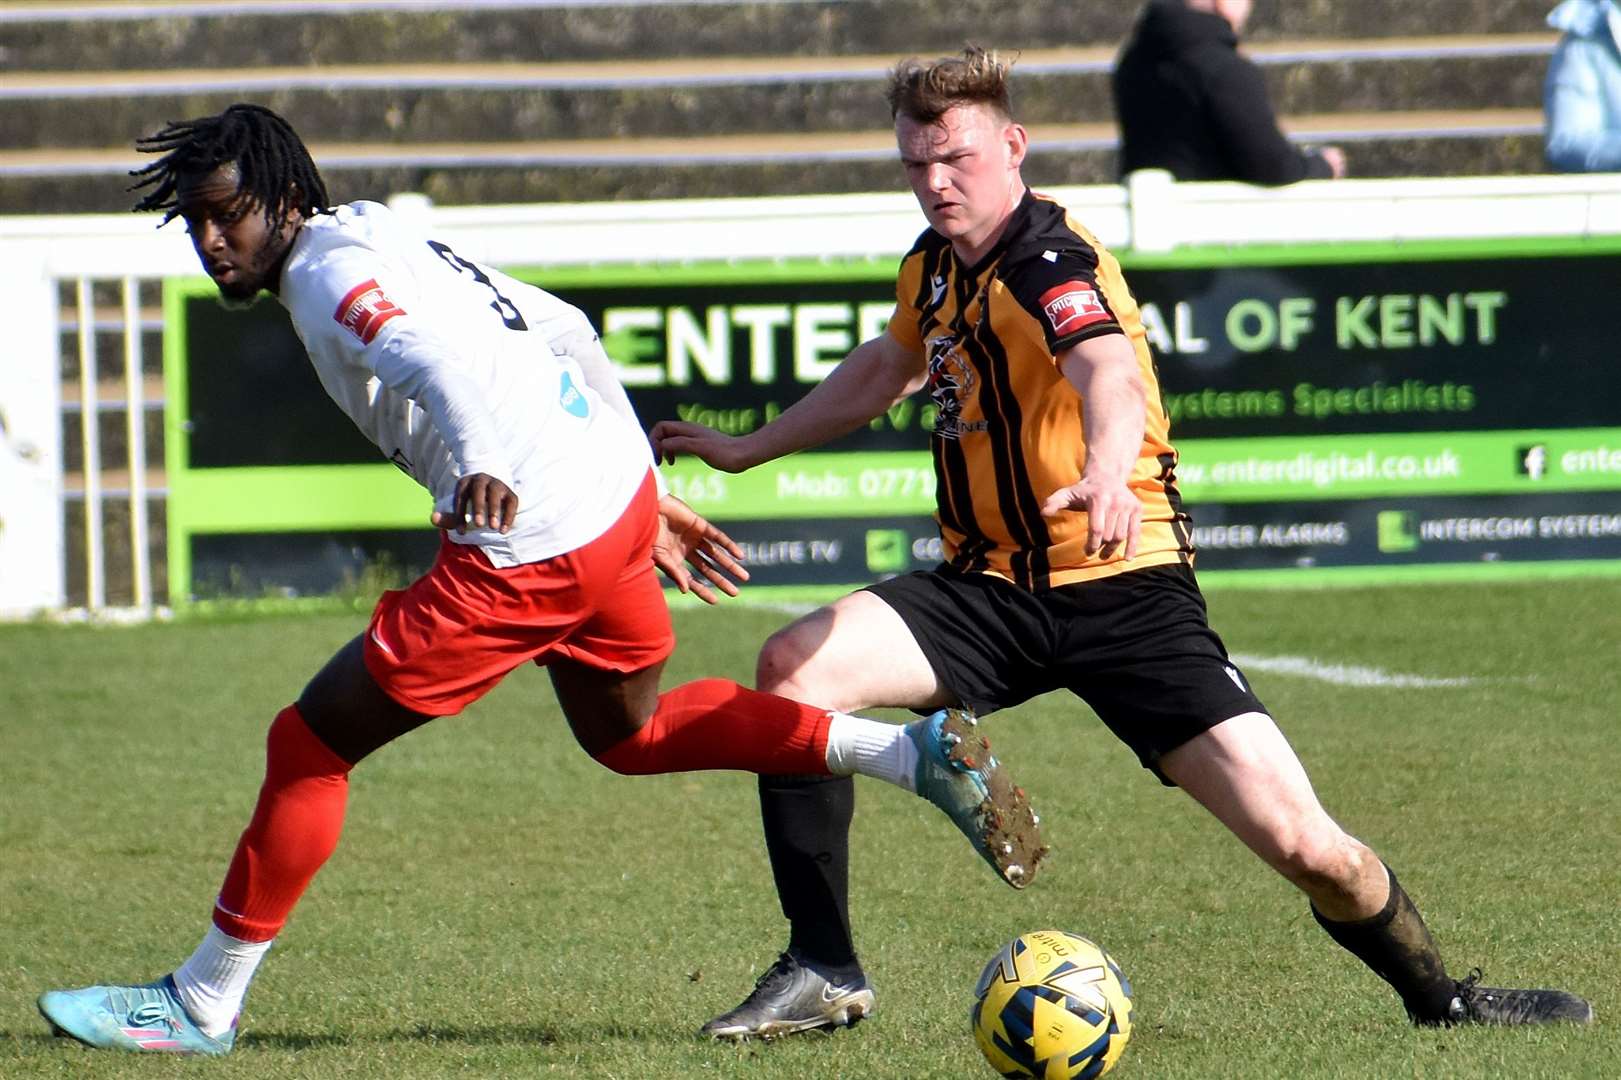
(1068, 562)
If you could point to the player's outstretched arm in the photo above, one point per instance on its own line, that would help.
(1104, 372)
(875, 375)
(686, 539)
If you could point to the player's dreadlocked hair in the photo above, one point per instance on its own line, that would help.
(275, 169)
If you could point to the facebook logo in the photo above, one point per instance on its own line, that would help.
(1532, 461)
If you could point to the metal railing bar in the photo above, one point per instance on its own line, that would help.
(135, 426)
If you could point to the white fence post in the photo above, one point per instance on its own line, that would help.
(1151, 194)
(32, 536)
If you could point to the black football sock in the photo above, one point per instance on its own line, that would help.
(1398, 947)
(807, 834)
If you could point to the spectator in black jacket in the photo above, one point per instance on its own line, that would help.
(1188, 102)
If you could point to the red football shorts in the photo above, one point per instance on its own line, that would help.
(442, 643)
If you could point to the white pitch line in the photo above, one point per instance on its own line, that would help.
(1341, 674)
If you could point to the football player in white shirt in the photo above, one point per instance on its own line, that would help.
(496, 397)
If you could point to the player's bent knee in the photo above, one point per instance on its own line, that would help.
(1323, 861)
(635, 754)
(663, 741)
(784, 664)
(627, 758)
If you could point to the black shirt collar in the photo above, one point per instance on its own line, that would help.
(1018, 224)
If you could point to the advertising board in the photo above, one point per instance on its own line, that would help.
(1353, 410)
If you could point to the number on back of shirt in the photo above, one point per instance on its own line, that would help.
(503, 307)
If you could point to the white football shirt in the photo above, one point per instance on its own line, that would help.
(447, 366)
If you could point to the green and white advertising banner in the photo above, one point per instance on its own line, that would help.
(1354, 411)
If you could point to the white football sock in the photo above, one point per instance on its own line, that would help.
(871, 748)
(214, 981)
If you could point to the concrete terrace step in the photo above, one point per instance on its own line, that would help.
(1379, 144)
(686, 71)
(118, 36)
(516, 102)
(102, 36)
(787, 147)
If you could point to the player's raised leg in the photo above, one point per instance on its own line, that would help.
(622, 721)
(607, 670)
(1245, 772)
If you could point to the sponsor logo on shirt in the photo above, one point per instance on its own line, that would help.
(1072, 306)
(364, 309)
(571, 399)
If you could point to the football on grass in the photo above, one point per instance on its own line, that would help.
(1054, 1006)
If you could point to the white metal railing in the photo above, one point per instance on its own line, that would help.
(90, 438)
(46, 255)
(135, 426)
(105, 387)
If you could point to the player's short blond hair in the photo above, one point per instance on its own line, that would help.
(924, 91)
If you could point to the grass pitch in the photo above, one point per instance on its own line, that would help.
(502, 906)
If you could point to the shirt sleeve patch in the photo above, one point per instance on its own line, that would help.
(364, 309)
(1072, 306)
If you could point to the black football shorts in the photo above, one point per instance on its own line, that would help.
(1137, 647)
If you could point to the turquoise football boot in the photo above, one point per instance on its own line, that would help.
(957, 773)
(147, 1018)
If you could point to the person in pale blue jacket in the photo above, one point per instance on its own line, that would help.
(1582, 95)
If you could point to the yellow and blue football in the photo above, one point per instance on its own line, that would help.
(1053, 1006)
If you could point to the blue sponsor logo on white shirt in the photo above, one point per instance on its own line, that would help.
(571, 399)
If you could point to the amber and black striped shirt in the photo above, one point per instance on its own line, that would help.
(1008, 432)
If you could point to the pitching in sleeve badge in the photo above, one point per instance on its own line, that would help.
(1072, 306)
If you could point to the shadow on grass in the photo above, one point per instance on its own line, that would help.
(261, 1039)
(35, 1040)
(290, 1040)
(492, 1035)
(504, 1034)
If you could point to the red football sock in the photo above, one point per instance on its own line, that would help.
(294, 830)
(717, 724)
